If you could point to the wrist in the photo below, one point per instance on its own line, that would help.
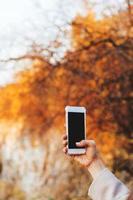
(96, 167)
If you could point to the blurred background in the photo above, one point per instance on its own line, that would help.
(52, 54)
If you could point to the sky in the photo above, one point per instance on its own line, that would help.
(22, 21)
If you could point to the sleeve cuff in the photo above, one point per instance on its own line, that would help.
(107, 187)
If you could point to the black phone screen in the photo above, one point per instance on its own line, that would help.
(76, 128)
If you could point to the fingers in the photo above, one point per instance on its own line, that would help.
(65, 150)
(65, 142)
(86, 143)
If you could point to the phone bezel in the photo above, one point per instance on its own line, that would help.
(75, 109)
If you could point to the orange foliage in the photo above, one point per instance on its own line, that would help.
(97, 73)
(86, 76)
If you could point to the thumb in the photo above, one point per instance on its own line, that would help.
(86, 143)
(82, 143)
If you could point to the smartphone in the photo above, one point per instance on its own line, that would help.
(75, 128)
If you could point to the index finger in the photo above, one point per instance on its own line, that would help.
(64, 137)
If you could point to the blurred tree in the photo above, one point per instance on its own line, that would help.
(96, 73)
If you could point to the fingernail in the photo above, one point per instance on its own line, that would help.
(77, 142)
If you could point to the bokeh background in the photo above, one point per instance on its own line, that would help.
(52, 54)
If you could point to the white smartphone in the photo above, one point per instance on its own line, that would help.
(75, 128)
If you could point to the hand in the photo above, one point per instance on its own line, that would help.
(83, 159)
(91, 159)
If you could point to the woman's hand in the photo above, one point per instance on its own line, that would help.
(83, 159)
(90, 159)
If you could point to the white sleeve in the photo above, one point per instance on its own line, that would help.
(107, 187)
